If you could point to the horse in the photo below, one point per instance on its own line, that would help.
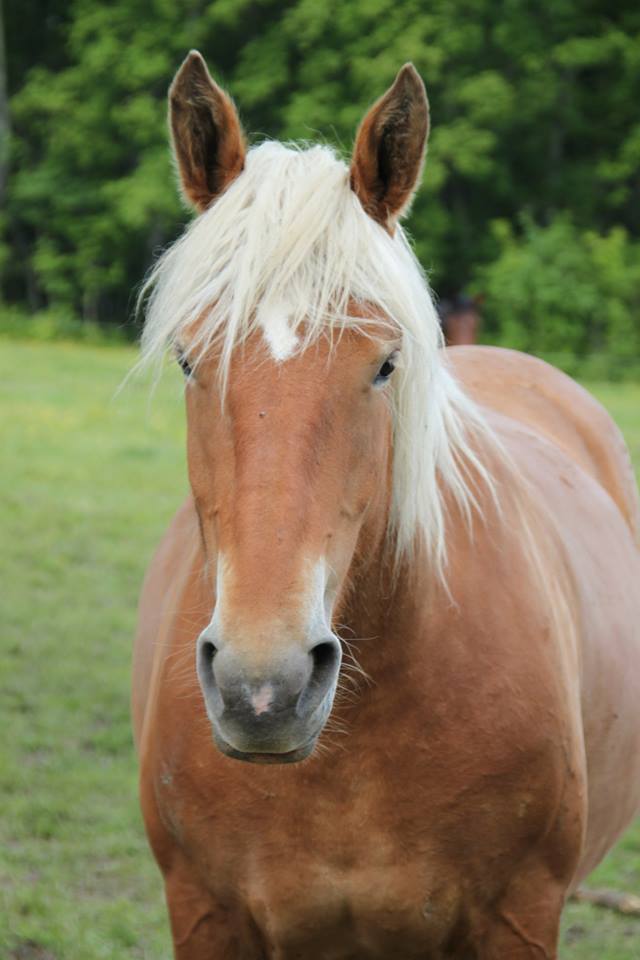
(460, 319)
(386, 684)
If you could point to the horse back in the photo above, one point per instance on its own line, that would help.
(580, 506)
(552, 404)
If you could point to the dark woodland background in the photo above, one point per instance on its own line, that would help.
(531, 194)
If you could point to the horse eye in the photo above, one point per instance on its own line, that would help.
(385, 370)
(185, 366)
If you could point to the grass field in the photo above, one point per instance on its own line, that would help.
(88, 483)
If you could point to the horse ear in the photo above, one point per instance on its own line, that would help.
(208, 142)
(390, 146)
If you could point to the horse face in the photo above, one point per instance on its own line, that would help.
(290, 471)
(291, 468)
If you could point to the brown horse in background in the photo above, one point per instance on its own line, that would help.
(460, 320)
(466, 526)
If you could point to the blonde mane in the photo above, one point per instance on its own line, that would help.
(288, 249)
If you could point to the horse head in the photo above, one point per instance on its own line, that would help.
(306, 333)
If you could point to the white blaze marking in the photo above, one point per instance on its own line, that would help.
(273, 317)
(321, 596)
(315, 599)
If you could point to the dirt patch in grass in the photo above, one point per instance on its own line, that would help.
(30, 950)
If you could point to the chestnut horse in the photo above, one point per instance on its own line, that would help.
(460, 320)
(465, 526)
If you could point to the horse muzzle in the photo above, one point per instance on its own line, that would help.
(267, 709)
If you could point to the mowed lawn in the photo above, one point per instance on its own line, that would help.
(88, 482)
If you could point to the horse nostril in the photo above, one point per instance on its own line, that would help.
(323, 654)
(209, 651)
(326, 660)
(206, 655)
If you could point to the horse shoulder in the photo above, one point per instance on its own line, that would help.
(162, 588)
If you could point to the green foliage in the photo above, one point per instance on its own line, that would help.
(55, 323)
(534, 117)
(560, 290)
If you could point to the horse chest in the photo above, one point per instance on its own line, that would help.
(325, 880)
(319, 906)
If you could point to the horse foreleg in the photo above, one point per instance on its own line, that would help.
(201, 929)
(524, 925)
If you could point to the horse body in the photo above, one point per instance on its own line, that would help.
(473, 785)
(488, 755)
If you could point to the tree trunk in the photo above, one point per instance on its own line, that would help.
(5, 129)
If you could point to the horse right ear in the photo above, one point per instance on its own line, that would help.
(208, 142)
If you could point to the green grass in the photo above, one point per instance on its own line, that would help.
(88, 484)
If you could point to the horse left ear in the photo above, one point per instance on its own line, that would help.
(390, 147)
(207, 137)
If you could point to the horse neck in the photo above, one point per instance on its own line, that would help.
(392, 605)
(383, 599)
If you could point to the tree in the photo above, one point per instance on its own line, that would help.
(533, 112)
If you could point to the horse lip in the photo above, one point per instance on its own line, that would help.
(264, 757)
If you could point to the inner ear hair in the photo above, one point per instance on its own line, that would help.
(390, 147)
(208, 142)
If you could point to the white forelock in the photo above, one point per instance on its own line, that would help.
(288, 249)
